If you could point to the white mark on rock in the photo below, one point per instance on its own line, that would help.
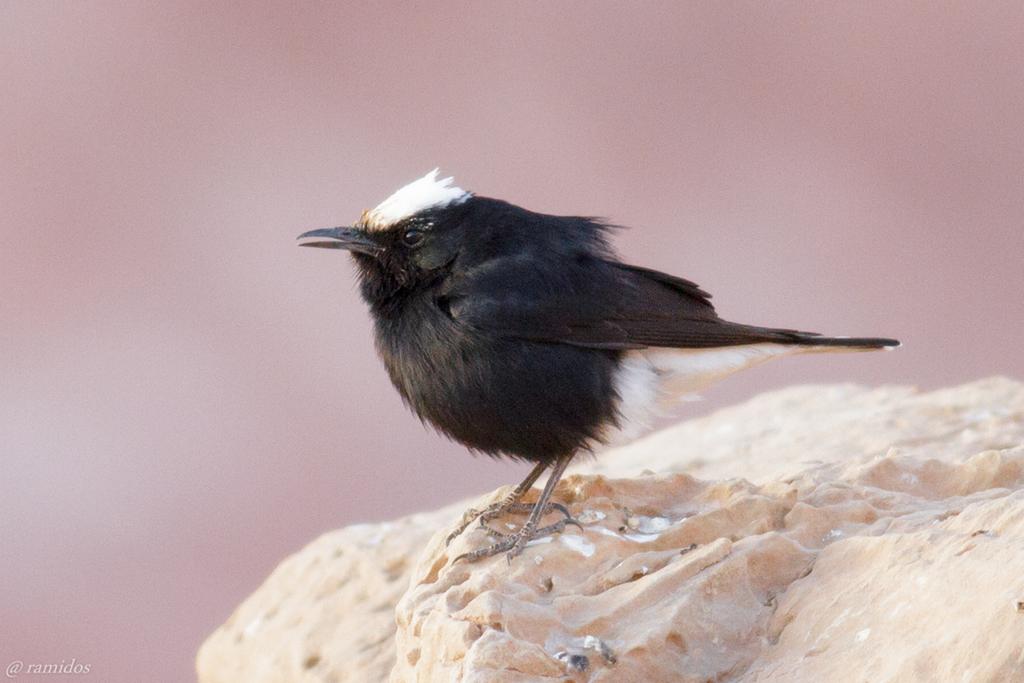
(579, 544)
(909, 478)
(590, 516)
(642, 538)
(606, 532)
(648, 525)
(253, 626)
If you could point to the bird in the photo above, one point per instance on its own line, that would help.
(523, 335)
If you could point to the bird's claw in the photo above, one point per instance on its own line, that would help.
(495, 510)
(543, 531)
(490, 512)
(467, 519)
(522, 508)
(514, 544)
(505, 543)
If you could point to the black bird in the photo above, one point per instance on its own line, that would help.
(521, 335)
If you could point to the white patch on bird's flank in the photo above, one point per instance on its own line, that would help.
(428, 192)
(649, 380)
(636, 384)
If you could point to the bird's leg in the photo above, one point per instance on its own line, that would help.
(495, 509)
(515, 543)
(529, 530)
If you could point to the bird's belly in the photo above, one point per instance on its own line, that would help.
(649, 380)
(502, 397)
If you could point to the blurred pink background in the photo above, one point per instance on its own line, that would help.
(186, 397)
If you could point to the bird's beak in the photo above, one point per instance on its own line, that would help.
(350, 239)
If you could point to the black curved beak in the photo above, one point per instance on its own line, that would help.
(350, 239)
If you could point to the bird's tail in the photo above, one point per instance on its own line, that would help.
(804, 341)
(842, 343)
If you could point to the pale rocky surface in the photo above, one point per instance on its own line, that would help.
(812, 534)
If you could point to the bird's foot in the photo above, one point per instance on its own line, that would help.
(525, 509)
(514, 544)
(495, 510)
(472, 514)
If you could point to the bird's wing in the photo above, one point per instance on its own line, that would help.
(594, 303)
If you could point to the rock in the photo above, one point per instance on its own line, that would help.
(876, 535)
(327, 612)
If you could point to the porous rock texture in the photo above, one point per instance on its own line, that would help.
(812, 534)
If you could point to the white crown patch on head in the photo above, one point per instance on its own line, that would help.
(426, 193)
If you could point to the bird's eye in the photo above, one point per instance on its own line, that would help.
(412, 237)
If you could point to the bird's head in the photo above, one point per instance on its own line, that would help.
(407, 239)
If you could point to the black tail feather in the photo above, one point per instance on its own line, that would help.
(806, 339)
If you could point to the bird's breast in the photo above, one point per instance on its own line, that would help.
(418, 349)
